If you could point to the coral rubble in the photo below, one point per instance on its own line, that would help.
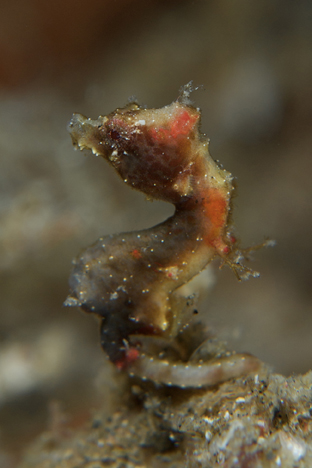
(262, 421)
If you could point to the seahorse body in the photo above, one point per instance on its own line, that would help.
(130, 279)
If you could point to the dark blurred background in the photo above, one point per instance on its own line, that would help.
(254, 60)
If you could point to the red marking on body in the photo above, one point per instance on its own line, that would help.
(181, 125)
(233, 239)
(159, 134)
(220, 246)
(131, 355)
(215, 215)
(136, 254)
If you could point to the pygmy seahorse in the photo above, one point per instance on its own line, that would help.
(131, 280)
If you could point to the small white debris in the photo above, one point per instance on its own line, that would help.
(209, 421)
(240, 400)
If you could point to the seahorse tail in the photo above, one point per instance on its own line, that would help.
(193, 375)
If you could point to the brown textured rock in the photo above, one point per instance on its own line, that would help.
(262, 421)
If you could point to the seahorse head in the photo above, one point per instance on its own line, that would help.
(152, 150)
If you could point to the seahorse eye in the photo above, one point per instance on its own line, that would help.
(114, 135)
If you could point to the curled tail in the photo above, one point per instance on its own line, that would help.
(193, 375)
